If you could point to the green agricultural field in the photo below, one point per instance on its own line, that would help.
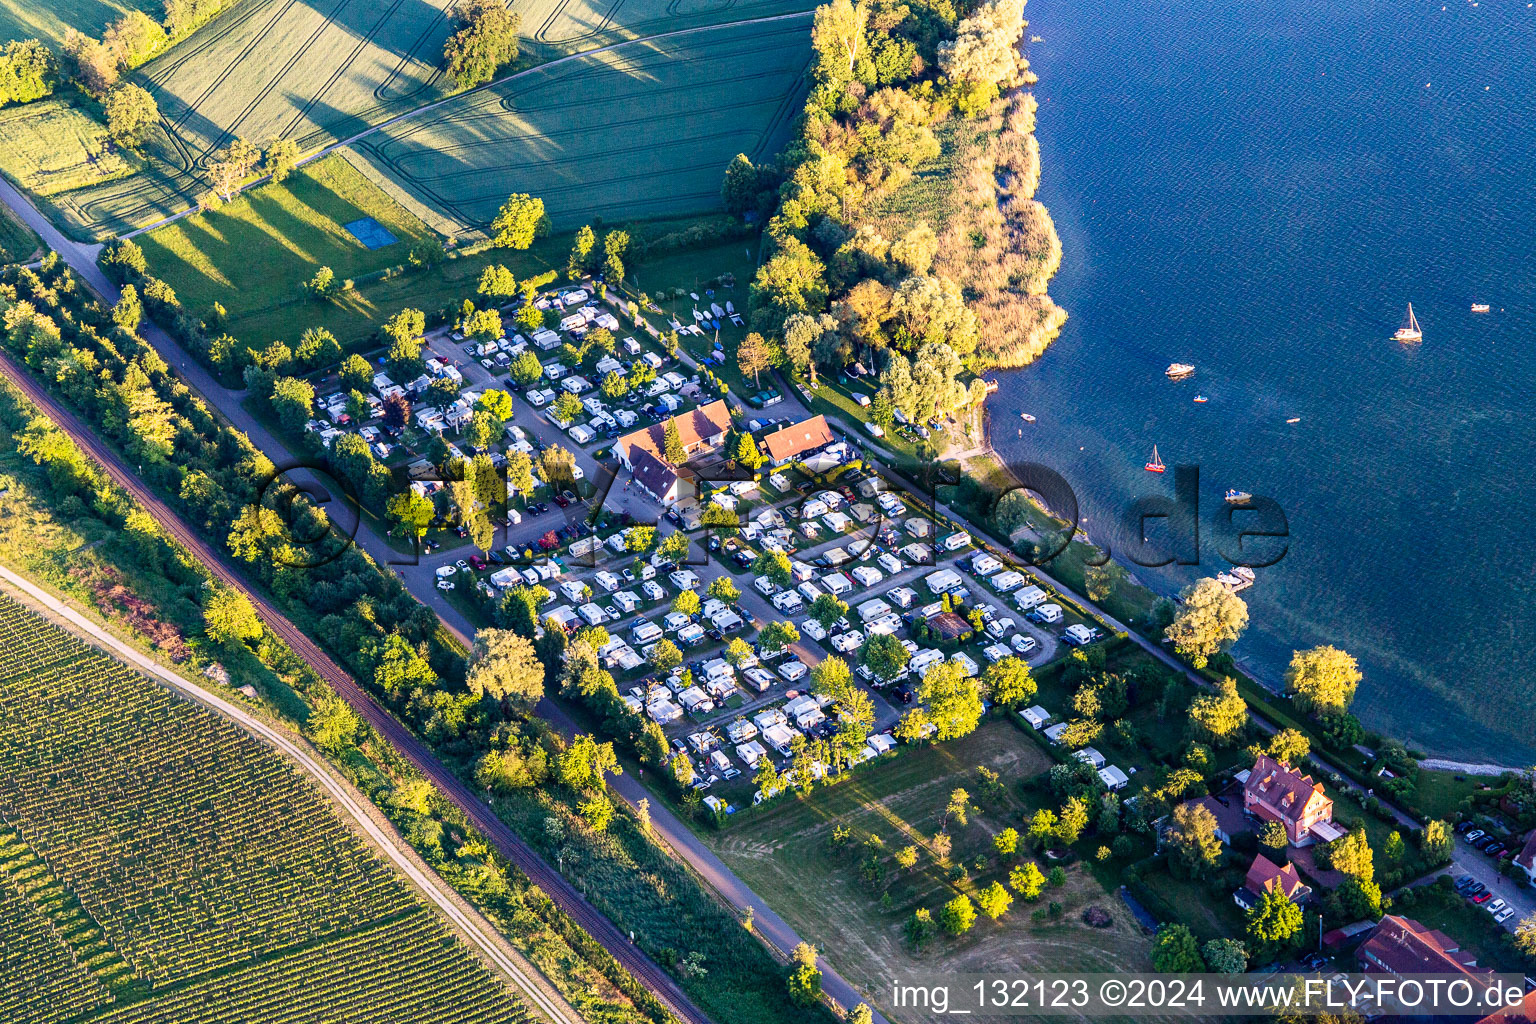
(639, 131)
(784, 852)
(257, 252)
(158, 865)
(32, 19)
(50, 146)
(558, 27)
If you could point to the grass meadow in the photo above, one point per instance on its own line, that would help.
(643, 131)
(257, 252)
(17, 241)
(29, 19)
(50, 146)
(784, 853)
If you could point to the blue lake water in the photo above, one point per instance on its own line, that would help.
(1259, 189)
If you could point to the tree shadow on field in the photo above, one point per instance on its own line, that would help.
(400, 28)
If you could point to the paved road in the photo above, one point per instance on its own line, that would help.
(554, 885)
(476, 930)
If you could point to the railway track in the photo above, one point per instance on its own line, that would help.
(554, 885)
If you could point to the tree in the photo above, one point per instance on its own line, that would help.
(1210, 619)
(953, 701)
(1323, 680)
(281, 158)
(747, 452)
(994, 900)
(131, 113)
(557, 466)
(397, 411)
(317, 347)
(581, 252)
(1272, 835)
(1042, 828)
(831, 678)
(1072, 820)
(614, 245)
(827, 609)
(742, 189)
(229, 618)
(520, 221)
(1219, 718)
(355, 373)
(504, 666)
(582, 766)
(1008, 682)
(791, 281)
(1192, 841)
(674, 548)
(1176, 951)
(686, 602)
(1360, 899)
(485, 42)
(774, 565)
(1394, 848)
(322, 285)
(672, 444)
(1274, 925)
(129, 311)
(292, 400)
(881, 411)
(1436, 841)
(804, 978)
(413, 511)
(919, 927)
(1352, 855)
(1225, 956)
(503, 771)
(724, 589)
(95, 63)
(497, 284)
(567, 407)
(1525, 936)
(666, 657)
(1027, 880)
(1289, 746)
(332, 723)
(27, 71)
(753, 356)
(885, 656)
(957, 916)
(776, 636)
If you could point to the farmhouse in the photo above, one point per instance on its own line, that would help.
(1263, 875)
(702, 429)
(1276, 792)
(796, 441)
(1526, 858)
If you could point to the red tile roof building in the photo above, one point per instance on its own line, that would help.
(1266, 874)
(700, 429)
(798, 439)
(1276, 792)
(1401, 945)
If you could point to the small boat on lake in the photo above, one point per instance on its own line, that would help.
(1156, 463)
(1481, 307)
(1201, 398)
(1178, 371)
(1026, 417)
(1236, 497)
(1410, 330)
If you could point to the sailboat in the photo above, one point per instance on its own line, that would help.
(1156, 465)
(1410, 329)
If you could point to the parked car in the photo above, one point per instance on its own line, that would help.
(1463, 827)
(1474, 835)
(1482, 897)
(1504, 915)
(1474, 890)
(1495, 850)
(1495, 906)
(477, 561)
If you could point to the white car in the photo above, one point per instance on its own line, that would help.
(788, 602)
(445, 571)
(1023, 643)
(1504, 915)
(445, 584)
(1496, 906)
(812, 629)
(765, 586)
